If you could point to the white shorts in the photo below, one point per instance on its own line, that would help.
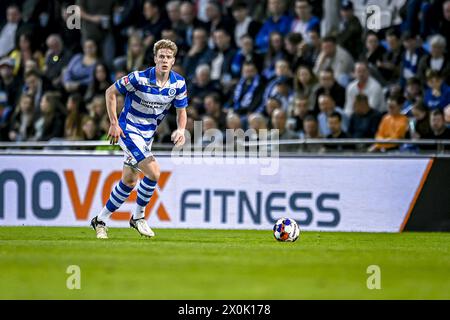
(135, 148)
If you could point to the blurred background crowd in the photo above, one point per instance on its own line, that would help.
(312, 69)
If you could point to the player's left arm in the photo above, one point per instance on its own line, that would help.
(180, 102)
(178, 135)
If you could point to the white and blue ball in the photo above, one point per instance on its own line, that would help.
(286, 230)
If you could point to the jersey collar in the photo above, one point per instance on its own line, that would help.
(152, 77)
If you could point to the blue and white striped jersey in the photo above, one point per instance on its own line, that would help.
(146, 104)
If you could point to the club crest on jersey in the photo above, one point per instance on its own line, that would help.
(125, 80)
(172, 92)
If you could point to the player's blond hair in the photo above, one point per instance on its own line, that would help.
(165, 44)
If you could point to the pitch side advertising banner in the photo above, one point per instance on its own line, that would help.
(327, 194)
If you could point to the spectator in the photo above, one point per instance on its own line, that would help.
(336, 132)
(199, 52)
(51, 122)
(437, 60)
(245, 25)
(190, 21)
(248, 93)
(389, 65)
(273, 54)
(213, 108)
(411, 57)
(26, 51)
(367, 85)
(364, 120)
(152, 25)
(350, 30)
(56, 58)
(394, 125)
(90, 130)
(328, 85)
(298, 111)
(217, 21)
(79, 72)
(420, 122)
(283, 92)
(281, 70)
(373, 52)
(233, 121)
(310, 128)
(97, 26)
(309, 51)
(97, 108)
(273, 103)
(75, 112)
(437, 96)
(8, 31)
(23, 120)
(327, 106)
(278, 21)
(438, 128)
(201, 86)
(304, 20)
(9, 84)
(291, 43)
(35, 86)
(413, 93)
(222, 58)
(100, 83)
(305, 83)
(279, 119)
(245, 53)
(258, 124)
(174, 15)
(212, 136)
(310, 131)
(335, 57)
(135, 56)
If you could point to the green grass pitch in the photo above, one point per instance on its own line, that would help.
(221, 264)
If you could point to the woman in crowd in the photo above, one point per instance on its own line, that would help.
(23, 119)
(80, 71)
(51, 122)
(75, 113)
(101, 82)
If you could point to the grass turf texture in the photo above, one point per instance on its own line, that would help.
(221, 264)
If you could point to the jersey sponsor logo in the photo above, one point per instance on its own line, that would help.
(152, 104)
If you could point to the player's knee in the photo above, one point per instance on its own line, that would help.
(129, 181)
(154, 175)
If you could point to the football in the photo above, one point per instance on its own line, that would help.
(286, 230)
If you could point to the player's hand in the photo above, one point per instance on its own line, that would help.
(178, 137)
(114, 133)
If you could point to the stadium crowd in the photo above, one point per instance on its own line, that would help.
(311, 69)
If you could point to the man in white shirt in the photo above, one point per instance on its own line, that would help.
(364, 84)
(8, 32)
(335, 57)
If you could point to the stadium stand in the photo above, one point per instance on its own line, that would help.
(238, 57)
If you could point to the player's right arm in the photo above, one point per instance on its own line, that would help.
(114, 129)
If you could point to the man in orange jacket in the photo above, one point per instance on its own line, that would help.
(394, 125)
